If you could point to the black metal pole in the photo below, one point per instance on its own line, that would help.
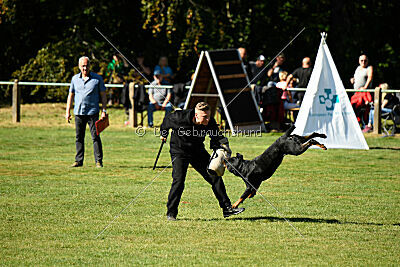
(158, 155)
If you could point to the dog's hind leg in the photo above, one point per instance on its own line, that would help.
(313, 135)
(311, 142)
(299, 149)
(315, 143)
(304, 139)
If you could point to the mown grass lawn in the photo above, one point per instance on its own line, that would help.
(346, 203)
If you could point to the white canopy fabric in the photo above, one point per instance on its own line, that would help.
(326, 107)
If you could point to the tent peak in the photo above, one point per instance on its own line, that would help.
(324, 35)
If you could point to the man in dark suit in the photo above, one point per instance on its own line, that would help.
(189, 129)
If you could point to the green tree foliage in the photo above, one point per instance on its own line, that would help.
(61, 32)
(266, 26)
(58, 32)
(193, 26)
(54, 63)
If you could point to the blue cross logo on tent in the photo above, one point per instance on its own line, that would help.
(328, 99)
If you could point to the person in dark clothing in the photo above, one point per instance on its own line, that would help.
(189, 129)
(257, 70)
(388, 103)
(302, 75)
(273, 72)
(243, 56)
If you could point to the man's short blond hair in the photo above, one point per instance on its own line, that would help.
(82, 58)
(203, 106)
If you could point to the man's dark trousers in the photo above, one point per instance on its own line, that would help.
(80, 126)
(199, 161)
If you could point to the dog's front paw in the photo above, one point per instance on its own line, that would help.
(236, 204)
(253, 193)
(322, 136)
(322, 146)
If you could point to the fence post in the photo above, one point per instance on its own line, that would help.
(377, 111)
(16, 102)
(132, 112)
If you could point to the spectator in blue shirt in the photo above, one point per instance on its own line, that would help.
(166, 72)
(86, 89)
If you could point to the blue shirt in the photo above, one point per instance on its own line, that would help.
(164, 70)
(87, 93)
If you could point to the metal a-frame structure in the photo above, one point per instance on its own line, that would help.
(221, 80)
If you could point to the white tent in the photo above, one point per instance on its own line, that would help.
(326, 107)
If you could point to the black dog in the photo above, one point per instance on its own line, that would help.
(263, 167)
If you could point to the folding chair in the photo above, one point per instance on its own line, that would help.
(390, 121)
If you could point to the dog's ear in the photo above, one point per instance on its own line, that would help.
(239, 156)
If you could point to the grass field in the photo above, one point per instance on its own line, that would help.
(346, 203)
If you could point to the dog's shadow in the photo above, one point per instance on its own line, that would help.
(293, 219)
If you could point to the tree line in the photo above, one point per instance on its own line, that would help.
(43, 39)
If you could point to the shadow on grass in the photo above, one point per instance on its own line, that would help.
(157, 167)
(278, 219)
(387, 148)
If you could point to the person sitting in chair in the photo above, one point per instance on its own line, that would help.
(159, 98)
(388, 103)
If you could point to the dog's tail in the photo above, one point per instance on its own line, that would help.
(290, 130)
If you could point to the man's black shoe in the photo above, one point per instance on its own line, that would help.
(231, 211)
(171, 218)
(77, 164)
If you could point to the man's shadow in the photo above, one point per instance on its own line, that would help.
(293, 219)
(157, 167)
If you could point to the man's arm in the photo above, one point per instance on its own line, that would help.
(216, 136)
(384, 103)
(370, 72)
(166, 100)
(288, 79)
(166, 125)
(386, 99)
(103, 103)
(151, 98)
(271, 70)
(145, 69)
(103, 97)
(168, 74)
(69, 104)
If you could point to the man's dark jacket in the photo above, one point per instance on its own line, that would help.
(188, 138)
